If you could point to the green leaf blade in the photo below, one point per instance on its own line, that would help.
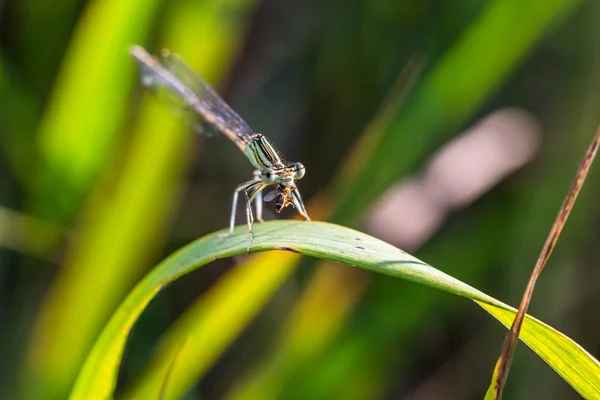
(571, 361)
(318, 239)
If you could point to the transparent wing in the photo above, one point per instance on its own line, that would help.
(178, 107)
(188, 90)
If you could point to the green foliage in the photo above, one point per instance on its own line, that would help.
(145, 189)
(566, 357)
(78, 132)
(440, 100)
(96, 179)
(451, 92)
(333, 243)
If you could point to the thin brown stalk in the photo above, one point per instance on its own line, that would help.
(512, 338)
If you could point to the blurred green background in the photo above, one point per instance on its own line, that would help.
(450, 129)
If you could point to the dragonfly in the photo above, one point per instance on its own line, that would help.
(192, 92)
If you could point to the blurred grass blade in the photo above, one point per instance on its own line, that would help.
(127, 228)
(76, 137)
(170, 368)
(29, 235)
(85, 111)
(331, 242)
(210, 318)
(42, 34)
(307, 331)
(509, 346)
(449, 95)
(18, 117)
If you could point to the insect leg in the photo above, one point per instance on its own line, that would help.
(250, 192)
(258, 203)
(299, 204)
(236, 193)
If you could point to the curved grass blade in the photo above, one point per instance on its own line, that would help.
(211, 317)
(331, 242)
(572, 362)
(378, 154)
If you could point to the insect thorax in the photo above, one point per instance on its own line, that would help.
(262, 154)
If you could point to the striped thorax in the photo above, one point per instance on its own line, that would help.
(265, 159)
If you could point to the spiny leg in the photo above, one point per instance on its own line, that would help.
(249, 217)
(258, 203)
(255, 188)
(299, 204)
(236, 192)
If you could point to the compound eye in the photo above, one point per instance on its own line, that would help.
(300, 171)
(268, 175)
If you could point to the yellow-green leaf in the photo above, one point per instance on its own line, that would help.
(330, 242)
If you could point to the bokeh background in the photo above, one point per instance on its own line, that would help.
(450, 129)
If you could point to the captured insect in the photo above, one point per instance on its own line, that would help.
(170, 72)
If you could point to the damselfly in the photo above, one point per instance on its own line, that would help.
(170, 72)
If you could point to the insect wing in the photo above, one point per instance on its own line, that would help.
(203, 99)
